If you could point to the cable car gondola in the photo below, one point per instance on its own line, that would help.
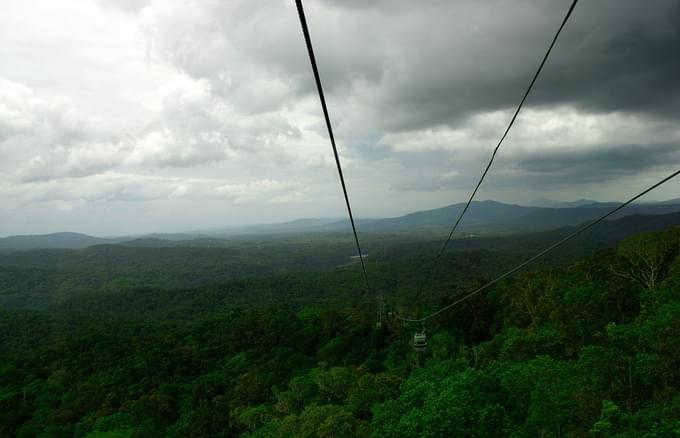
(420, 341)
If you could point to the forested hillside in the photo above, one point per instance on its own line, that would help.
(586, 349)
(40, 278)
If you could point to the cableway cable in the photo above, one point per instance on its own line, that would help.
(540, 254)
(317, 78)
(512, 121)
(441, 252)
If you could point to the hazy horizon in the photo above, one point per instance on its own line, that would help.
(223, 228)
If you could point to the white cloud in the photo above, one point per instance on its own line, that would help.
(134, 187)
(555, 128)
(42, 139)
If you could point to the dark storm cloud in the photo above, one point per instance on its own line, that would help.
(612, 56)
(407, 65)
(621, 56)
(556, 168)
(564, 167)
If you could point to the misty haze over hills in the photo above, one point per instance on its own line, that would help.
(483, 216)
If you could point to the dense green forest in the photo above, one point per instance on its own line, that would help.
(585, 345)
(43, 278)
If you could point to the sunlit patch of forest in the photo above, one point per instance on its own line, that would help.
(583, 345)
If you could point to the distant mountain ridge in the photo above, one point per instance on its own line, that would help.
(65, 240)
(482, 215)
(498, 216)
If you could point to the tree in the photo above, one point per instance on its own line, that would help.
(644, 257)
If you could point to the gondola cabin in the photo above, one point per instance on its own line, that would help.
(420, 341)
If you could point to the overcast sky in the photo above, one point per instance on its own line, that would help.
(132, 116)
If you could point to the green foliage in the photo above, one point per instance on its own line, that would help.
(432, 405)
(574, 351)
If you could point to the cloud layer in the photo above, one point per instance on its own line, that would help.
(206, 110)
